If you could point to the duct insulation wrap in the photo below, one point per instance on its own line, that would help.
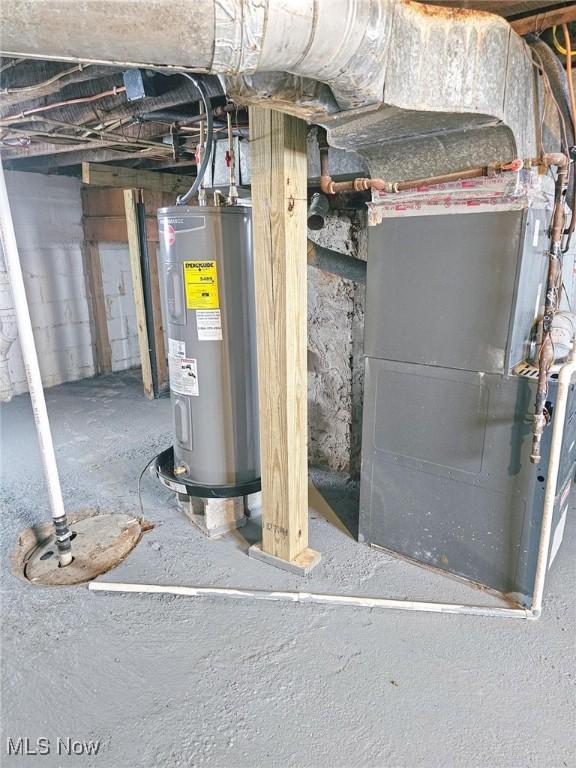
(208, 285)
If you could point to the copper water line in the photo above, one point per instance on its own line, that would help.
(546, 355)
(359, 184)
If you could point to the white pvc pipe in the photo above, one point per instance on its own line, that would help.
(559, 419)
(30, 357)
(313, 597)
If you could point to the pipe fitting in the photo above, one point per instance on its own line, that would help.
(327, 185)
(559, 159)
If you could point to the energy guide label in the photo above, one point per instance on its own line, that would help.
(201, 285)
(209, 324)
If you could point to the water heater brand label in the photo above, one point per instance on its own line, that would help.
(209, 324)
(201, 285)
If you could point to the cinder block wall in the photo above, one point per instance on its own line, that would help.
(47, 213)
(120, 309)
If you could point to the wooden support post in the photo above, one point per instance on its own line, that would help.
(130, 200)
(98, 306)
(152, 201)
(279, 200)
(160, 347)
(97, 302)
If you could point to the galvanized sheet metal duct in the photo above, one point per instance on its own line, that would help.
(341, 42)
(394, 58)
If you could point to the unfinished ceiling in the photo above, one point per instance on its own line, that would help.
(399, 82)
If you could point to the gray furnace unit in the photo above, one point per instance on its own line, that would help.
(208, 286)
(449, 396)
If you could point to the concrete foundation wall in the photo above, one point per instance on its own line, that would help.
(47, 213)
(335, 350)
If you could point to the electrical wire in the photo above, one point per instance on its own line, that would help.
(140, 484)
(567, 297)
(548, 89)
(207, 154)
(564, 51)
(11, 64)
(44, 83)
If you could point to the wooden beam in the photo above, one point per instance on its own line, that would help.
(279, 199)
(130, 200)
(114, 176)
(538, 22)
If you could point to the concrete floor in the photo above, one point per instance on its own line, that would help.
(171, 681)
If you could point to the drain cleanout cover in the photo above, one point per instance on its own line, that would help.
(99, 542)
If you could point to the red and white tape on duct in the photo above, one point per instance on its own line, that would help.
(506, 191)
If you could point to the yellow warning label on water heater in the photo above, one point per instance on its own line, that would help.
(201, 285)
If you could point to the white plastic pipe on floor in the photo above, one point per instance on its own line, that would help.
(12, 260)
(564, 380)
(312, 597)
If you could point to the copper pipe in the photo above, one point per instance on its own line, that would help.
(82, 100)
(546, 356)
(558, 159)
(361, 184)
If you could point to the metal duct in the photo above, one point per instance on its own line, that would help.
(408, 68)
